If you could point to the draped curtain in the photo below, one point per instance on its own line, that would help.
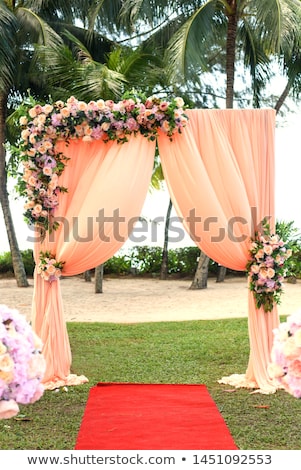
(107, 185)
(220, 175)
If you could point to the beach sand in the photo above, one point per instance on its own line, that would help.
(134, 300)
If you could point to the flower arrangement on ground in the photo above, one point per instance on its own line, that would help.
(285, 366)
(267, 268)
(22, 365)
(43, 125)
(49, 268)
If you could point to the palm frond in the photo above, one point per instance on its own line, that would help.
(97, 81)
(75, 72)
(157, 177)
(187, 46)
(275, 22)
(8, 29)
(140, 14)
(35, 28)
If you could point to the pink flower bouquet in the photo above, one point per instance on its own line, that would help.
(267, 268)
(285, 366)
(22, 365)
(49, 268)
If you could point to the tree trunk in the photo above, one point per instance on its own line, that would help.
(201, 274)
(283, 96)
(230, 52)
(17, 261)
(98, 279)
(88, 276)
(230, 73)
(221, 274)
(164, 264)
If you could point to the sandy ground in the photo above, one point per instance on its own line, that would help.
(148, 300)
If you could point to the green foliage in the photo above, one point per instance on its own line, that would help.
(119, 264)
(6, 263)
(146, 259)
(6, 266)
(292, 237)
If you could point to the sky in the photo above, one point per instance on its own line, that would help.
(287, 193)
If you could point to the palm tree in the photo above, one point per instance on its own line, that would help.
(20, 29)
(236, 32)
(24, 25)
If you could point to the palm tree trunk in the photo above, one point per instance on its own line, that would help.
(221, 274)
(230, 52)
(201, 274)
(17, 261)
(230, 72)
(88, 276)
(283, 96)
(164, 264)
(98, 279)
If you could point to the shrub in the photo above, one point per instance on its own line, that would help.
(6, 265)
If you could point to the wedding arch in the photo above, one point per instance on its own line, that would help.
(88, 164)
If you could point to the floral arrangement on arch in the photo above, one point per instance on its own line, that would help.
(49, 268)
(22, 365)
(285, 366)
(267, 268)
(43, 125)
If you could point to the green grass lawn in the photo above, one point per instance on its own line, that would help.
(171, 352)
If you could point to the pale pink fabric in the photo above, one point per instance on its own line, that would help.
(220, 173)
(98, 176)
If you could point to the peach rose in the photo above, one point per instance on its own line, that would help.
(8, 409)
(105, 126)
(255, 268)
(47, 171)
(51, 270)
(23, 121)
(38, 208)
(165, 126)
(268, 249)
(82, 106)
(179, 102)
(270, 273)
(65, 112)
(100, 104)
(47, 108)
(25, 134)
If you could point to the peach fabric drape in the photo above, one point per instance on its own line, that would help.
(107, 185)
(220, 175)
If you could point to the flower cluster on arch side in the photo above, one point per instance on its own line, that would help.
(48, 267)
(43, 125)
(267, 269)
(285, 366)
(22, 365)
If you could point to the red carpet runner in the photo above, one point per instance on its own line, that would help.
(152, 417)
